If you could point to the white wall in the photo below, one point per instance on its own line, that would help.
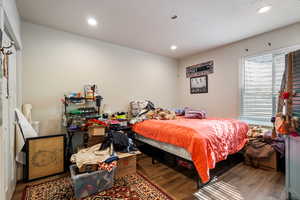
(57, 62)
(223, 97)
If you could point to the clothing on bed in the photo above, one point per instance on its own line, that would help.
(194, 113)
(138, 108)
(207, 140)
(158, 114)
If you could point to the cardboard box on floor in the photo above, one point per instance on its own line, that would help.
(126, 164)
(268, 164)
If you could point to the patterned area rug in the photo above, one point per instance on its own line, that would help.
(131, 187)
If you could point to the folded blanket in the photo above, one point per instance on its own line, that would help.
(194, 113)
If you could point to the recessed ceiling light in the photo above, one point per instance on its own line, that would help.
(92, 21)
(173, 47)
(264, 9)
(174, 17)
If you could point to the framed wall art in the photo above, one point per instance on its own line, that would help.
(199, 84)
(200, 69)
(44, 156)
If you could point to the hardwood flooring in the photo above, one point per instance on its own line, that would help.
(252, 183)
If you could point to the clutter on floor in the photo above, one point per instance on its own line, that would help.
(91, 156)
(92, 182)
(126, 164)
(264, 150)
(95, 167)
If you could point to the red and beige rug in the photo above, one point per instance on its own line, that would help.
(131, 187)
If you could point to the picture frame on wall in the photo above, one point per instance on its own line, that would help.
(199, 84)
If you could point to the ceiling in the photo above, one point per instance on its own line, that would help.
(147, 24)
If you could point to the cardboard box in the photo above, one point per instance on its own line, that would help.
(267, 164)
(126, 164)
(96, 130)
(93, 140)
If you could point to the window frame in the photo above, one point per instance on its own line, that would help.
(242, 81)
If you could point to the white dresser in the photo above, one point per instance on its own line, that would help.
(293, 167)
(293, 143)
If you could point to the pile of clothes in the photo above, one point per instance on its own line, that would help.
(138, 108)
(93, 159)
(143, 110)
(262, 145)
(103, 156)
(119, 141)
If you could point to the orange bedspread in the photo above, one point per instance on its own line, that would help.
(207, 140)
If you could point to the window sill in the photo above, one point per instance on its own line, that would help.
(257, 123)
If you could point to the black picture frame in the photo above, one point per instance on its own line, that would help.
(0, 38)
(199, 84)
(26, 167)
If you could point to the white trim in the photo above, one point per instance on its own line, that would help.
(257, 123)
(274, 51)
(241, 82)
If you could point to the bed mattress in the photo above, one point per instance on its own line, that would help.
(178, 151)
(207, 141)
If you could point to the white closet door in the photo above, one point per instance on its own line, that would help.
(6, 137)
(8, 106)
(12, 104)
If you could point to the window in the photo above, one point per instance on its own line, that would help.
(261, 82)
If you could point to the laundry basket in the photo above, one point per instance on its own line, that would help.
(86, 184)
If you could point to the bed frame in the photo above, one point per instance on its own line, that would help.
(178, 152)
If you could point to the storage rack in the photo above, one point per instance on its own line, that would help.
(87, 108)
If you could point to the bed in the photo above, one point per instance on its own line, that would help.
(203, 141)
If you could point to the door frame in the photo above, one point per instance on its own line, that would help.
(5, 25)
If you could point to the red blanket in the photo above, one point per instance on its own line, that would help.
(207, 140)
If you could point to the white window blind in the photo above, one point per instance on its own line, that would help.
(262, 77)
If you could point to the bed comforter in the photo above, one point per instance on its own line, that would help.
(207, 140)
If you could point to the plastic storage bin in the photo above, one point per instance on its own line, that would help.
(91, 183)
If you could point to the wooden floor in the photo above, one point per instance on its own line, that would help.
(251, 183)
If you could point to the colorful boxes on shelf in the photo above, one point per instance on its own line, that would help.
(96, 130)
